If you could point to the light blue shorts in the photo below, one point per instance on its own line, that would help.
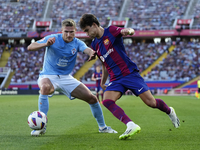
(62, 83)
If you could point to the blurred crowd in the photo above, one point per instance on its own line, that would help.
(103, 9)
(143, 14)
(182, 64)
(155, 14)
(26, 64)
(1, 50)
(20, 16)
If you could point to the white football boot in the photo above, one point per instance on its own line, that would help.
(130, 131)
(107, 130)
(38, 132)
(174, 118)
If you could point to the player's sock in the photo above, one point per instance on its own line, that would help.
(43, 103)
(160, 104)
(116, 111)
(98, 114)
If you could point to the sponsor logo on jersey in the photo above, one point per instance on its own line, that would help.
(106, 41)
(62, 62)
(73, 51)
(106, 54)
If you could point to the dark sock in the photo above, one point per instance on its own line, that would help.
(116, 111)
(160, 104)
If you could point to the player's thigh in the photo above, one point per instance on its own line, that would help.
(148, 98)
(113, 95)
(83, 93)
(46, 86)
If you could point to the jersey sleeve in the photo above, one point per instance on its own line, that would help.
(115, 31)
(44, 40)
(81, 45)
(93, 75)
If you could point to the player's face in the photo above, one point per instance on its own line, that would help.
(98, 69)
(68, 33)
(90, 30)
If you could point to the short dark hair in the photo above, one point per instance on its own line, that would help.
(88, 20)
(68, 23)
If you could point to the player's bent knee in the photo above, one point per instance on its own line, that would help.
(92, 99)
(45, 89)
(151, 104)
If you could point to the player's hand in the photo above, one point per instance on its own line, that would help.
(92, 55)
(103, 86)
(127, 31)
(51, 41)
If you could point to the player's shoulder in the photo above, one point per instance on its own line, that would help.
(77, 41)
(57, 35)
(112, 27)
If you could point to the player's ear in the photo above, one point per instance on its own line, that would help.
(94, 24)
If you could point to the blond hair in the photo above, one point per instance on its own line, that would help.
(68, 22)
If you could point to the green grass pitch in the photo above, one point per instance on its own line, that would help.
(71, 125)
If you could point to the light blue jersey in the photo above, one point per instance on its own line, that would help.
(60, 57)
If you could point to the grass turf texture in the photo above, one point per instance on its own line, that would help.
(72, 126)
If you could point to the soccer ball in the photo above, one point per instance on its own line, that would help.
(37, 120)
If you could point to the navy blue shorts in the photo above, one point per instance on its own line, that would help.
(133, 82)
(98, 88)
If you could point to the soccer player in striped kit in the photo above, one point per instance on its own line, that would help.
(96, 76)
(124, 73)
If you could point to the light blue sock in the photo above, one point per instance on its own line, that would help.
(98, 114)
(43, 103)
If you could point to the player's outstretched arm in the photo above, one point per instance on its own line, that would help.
(36, 46)
(91, 53)
(127, 31)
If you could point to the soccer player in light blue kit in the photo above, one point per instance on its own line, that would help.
(124, 73)
(59, 61)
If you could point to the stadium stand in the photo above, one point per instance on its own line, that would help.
(155, 14)
(73, 8)
(19, 16)
(26, 64)
(181, 64)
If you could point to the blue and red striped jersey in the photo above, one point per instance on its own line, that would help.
(111, 51)
(97, 76)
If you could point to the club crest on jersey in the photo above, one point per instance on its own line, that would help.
(106, 42)
(73, 51)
